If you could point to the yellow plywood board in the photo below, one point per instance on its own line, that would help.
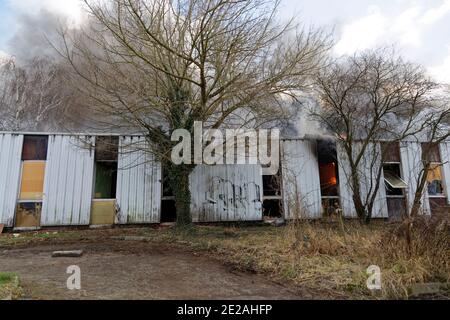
(103, 212)
(32, 186)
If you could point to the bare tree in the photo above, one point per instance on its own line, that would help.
(365, 99)
(156, 66)
(30, 94)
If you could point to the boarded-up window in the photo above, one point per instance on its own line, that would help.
(103, 212)
(35, 148)
(32, 186)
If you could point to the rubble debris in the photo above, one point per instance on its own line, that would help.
(67, 254)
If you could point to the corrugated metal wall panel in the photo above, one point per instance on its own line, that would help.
(68, 181)
(10, 163)
(412, 167)
(301, 179)
(226, 193)
(138, 183)
(368, 170)
(445, 157)
(345, 189)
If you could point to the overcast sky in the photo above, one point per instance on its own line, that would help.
(419, 29)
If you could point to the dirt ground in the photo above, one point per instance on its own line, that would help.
(135, 270)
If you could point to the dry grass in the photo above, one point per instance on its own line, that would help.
(325, 257)
(322, 256)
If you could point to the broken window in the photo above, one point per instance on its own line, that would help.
(393, 182)
(105, 180)
(34, 148)
(434, 181)
(34, 156)
(329, 176)
(106, 155)
(430, 152)
(435, 186)
(168, 208)
(390, 152)
(328, 169)
(28, 214)
(106, 148)
(272, 204)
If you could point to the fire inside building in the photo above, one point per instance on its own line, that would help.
(90, 180)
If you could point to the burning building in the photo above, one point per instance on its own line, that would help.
(86, 179)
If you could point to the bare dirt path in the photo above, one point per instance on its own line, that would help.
(134, 270)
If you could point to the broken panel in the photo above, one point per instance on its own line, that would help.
(28, 215)
(32, 186)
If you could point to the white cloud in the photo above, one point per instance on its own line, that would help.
(363, 33)
(435, 14)
(441, 72)
(378, 28)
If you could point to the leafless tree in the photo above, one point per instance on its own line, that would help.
(156, 66)
(367, 98)
(30, 94)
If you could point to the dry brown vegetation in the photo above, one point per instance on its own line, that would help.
(326, 257)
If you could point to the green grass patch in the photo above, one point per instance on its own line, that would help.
(9, 286)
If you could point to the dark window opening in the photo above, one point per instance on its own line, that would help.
(106, 148)
(106, 166)
(328, 168)
(396, 207)
(390, 152)
(430, 153)
(330, 206)
(439, 205)
(105, 180)
(168, 211)
(35, 148)
(272, 208)
(166, 188)
(272, 185)
(392, 177)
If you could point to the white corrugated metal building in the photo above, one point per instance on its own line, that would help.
(63, 180)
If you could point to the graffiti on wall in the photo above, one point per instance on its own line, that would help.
(225, 197)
